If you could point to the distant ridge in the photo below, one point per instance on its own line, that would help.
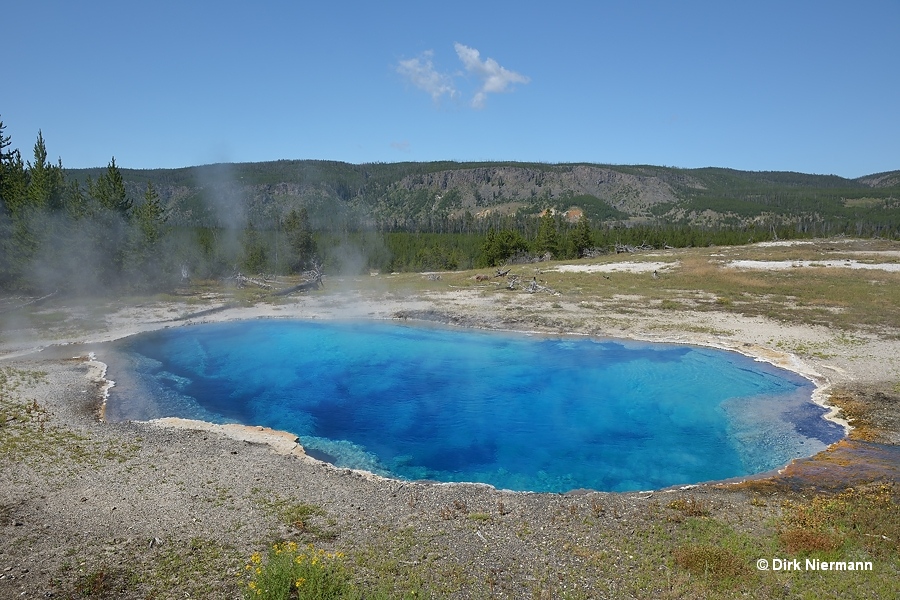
(419, 194)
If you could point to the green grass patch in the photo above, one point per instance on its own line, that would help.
(308, 520)
(28, 435)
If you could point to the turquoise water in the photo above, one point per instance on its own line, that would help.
(515, 411)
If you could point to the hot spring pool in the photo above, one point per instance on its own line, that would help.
(519, 412)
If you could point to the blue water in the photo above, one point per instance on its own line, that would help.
(515, 411)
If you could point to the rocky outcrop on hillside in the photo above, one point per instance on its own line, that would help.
(437, 195)
(480, 191)
(881, 180)
(480, 188)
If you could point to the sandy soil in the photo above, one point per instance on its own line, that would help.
(127, 498)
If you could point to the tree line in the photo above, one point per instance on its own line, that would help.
(60, 234)
(90, 236)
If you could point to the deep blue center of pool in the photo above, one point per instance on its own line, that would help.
(515, 411)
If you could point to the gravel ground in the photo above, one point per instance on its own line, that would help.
(118, 498)
(134, 510)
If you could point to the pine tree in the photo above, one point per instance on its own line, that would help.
(14, 184)
(147, 265)
(302, 250)
(150, 216)
(6, 269)
(40, 177)
(582, 237)
(254, 259)
(498, 247)
(109, 190)
(6, 157)
(74, 201)
(547, 238)
(5, 142)
(489, 251)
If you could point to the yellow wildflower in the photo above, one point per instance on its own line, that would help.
(300, 581)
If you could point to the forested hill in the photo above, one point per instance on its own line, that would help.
(451, 196)
(119, 229)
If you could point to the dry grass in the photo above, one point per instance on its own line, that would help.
(689, 507)
(853, 409)
(710, 562)
(834, 297)
(866, 519)
(805, 541)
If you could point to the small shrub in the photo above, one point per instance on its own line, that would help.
(94, 584)
(805, 540)
(689, 507)
(290, 571)
(865, 518)
(669, 304)
(709, 561)
(597, 508)
(306, 519)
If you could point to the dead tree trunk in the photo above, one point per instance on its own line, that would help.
(313, 282)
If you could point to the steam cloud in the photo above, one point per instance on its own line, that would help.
(493, 78)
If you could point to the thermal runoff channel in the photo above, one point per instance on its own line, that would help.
(518, 412)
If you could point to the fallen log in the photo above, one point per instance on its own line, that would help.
(208, 311)
(30, 303)
(534, 286)
(306, 286)
(313, 283)
(243, 280)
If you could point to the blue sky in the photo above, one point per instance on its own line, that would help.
(791, 85)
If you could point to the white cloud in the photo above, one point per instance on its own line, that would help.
(422, 74)
(494, 78)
